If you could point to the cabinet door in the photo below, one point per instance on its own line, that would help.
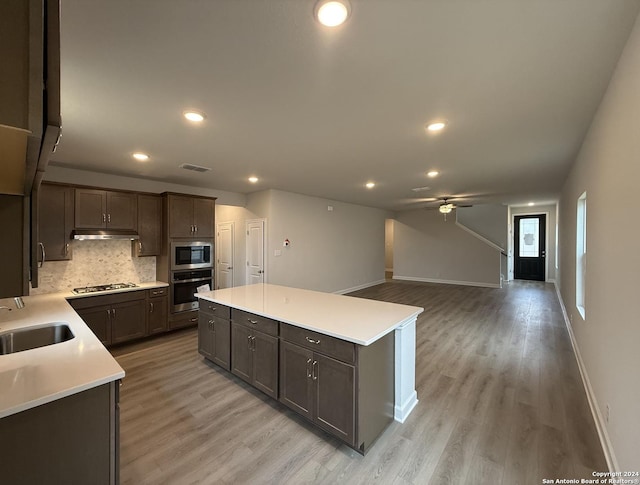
(222, 343)
(55, 221)
(99, 321)
(157, 315)
(149, 226)
(180, 216)
(206, 335)
(265, 363)
(335, 397)
(296, 385)
(128, 321)
(203, 217)
(241, 353)
(122, 212)
(90, 209)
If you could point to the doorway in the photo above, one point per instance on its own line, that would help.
(529, 243)
(225, 255)
(255, 251)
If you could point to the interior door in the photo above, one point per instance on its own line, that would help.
(530, 247)
(255, 251)
(224, 260)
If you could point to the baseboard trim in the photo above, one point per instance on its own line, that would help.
(401, 413)
(447, 282)
(603, 435)
(359, 287)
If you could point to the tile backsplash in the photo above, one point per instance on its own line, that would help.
(95, 262)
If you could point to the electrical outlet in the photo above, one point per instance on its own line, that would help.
(607, 413)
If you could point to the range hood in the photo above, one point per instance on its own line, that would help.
(104, 234)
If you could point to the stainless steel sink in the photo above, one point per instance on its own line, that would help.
(34, 337)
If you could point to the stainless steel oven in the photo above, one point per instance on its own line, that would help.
(191, 255)
(184, 284)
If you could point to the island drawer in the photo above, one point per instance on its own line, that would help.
(156, 292)
(251, 320)
(215, 309)
(330, 346)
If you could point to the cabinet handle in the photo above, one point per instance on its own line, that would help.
(212, 326)
(114, 312)
(108, 217)
(139, 246)
(309, 368)
(104, 217)
(213, 308)
(156, 292)
(311, 341)
(66, 249)
(42, 254)
(196, 228)
(314, 370)
(194, 319)
(249, 341)
(254, 322)
(151, 308)
(253, 339)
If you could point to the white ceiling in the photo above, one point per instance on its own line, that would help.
(321, 111)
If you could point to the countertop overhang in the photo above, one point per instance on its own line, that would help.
(354, 319)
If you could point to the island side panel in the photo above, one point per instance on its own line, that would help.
(406, 396)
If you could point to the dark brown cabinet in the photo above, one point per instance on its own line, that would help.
(114, 318)
(55, 222)
(214, 335)
(72, 440)
(104, 209)
(149, 226)
(157, 311)
(190, 216)
(319, 388)
(254, 358)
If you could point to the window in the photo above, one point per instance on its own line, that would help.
(581, 254)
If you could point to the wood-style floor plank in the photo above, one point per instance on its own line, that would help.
(500, 401)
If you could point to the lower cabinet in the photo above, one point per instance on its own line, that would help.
(120, 317)
(319, 388)
(214, 339)
(254, 358)
(73, 440)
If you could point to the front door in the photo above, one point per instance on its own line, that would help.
(529, 237)
(255, 251)
(224, 261)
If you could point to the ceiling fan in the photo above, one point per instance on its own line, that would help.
(446, 207)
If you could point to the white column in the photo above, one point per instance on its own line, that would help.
(406, 396)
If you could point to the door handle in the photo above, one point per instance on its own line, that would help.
(42, 254)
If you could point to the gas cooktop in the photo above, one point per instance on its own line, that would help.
(110, 286)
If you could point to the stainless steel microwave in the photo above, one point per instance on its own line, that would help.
(191, 255)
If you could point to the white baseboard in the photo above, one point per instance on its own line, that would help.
(447, 282)
(359, 287)
(601, 427)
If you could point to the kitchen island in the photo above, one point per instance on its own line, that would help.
(362, 344)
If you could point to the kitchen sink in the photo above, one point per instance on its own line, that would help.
(34, 337)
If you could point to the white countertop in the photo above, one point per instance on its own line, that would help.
(38, 376)
(356, 320)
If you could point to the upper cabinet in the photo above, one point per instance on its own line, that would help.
(104, 209)
(55, 222)
(149, 226)
(190, 216)
(29, 91)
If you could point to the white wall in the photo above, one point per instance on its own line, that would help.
(608, 169)
(426, 248)
(550, 211)
(488, 220)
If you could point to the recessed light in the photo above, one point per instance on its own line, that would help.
(436, 126)
(194, 115)
(141, 157)
(253, 180)
(433, 173)
(332, 13)
(370, 185)
(530, 204)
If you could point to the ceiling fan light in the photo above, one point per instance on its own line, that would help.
(445, 208)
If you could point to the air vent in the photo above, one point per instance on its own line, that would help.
(195, 168)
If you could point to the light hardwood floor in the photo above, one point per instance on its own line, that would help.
(501, 402)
